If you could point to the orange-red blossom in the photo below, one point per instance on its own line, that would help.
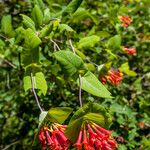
(94, 137)
(113, 76)
(126, 20)
(53, 137)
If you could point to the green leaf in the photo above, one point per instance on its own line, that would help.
(31, 39)
(64, 27)
(46, 16)
(37, 15)
(88, 41)
(39, 82)
(72, 7)
(55, 115)
(46, 30)
(70, 61)
(40, 3)
(28, 22)
(6, 25)
(30, 58)
(114, 42)
(125, 69)
(59, 114)
(92, 85)
(82, 14)
(90, 112)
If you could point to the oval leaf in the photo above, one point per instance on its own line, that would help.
(92, 85)
(70, 61)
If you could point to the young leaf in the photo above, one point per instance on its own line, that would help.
(88, 41)
(70, 61)
(40, 82)
(91, 84)
(64, 27)
(72, 7)
(46, 30)
(6, 25)
(40, 3)
(114, 42)
(31, 39)
(47, 15)
(37, 15)
(90, 112)
(28, 22)
(125, 69)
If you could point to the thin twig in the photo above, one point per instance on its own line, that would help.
(80, 78)
(8, 63)
(35, 95)
(92, 62)
(80, 90)
(3, 37)
(72, 47)
(8, 146)
(55, 44)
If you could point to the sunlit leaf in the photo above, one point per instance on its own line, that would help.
(37, 15)
(28, 22)
(39, 82)
(92, 85)
(6, 25)
(88, 41)
(125, 69)
(114, 42)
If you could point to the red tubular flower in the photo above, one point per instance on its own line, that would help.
(62, 139)
(105, 145)
(50, 143)
(98, 144)
(126, 20)
(42, 139)
(95, 138)
(53, 137)
(103, 79)
(129, 51)
(102, 130)
(115, 77)
(78, 144)
(112, 142)
(100, 134)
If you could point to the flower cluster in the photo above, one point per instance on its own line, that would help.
(130, 51)
(53, 137)
(94, 137)
(113, 76)
(126, 20)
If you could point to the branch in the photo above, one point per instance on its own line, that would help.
(35, 95)
(55, 44)
(8, 146)
(72, 47)
(8, 63)
(91, 62)
(80, 90)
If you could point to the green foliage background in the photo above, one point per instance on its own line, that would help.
(97, 36)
